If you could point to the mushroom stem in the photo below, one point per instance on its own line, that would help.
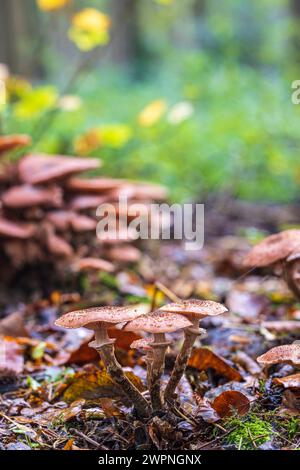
(190, 336)
(291, 272)
(149, 360)
(105, 347)
(160, 346)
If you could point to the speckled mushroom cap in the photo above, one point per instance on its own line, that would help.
(144, 344)
(41, 168)
(273, 248)
(288, 353)
(158, 322)
(195, 308)
(108, 315)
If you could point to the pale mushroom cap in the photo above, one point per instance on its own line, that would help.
(158, 322)
(111, 315)
(289, 353)
(144, 344)
(42, 168)
(273, 248)
(195, 308)
(87, 201)
(124, 253)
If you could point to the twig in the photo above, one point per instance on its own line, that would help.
(168, 293)
(87, 438)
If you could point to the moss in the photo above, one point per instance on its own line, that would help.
(248, 433)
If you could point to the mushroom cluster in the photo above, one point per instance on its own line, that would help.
(280, 251)
(182, 315)
(48, 212)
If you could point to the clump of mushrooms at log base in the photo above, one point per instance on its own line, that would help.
(48, 213)
(183, 315)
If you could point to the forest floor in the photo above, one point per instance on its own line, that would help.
(56, 394)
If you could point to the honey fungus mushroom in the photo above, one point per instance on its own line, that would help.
(144, 345)
(194, 310)
(158, 323)
(100, 319)
(281, 250)
(285, 354)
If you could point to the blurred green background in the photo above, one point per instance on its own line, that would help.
(193, 94)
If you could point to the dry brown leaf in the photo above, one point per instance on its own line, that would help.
(291, 381)
(205, 410)
(94, 384)
(203, 359)
(11, 357)
(13, 325)
(230, 402)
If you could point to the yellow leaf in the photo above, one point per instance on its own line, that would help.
(152, 113)
(35, 102)
(115, 135)
(49, 5)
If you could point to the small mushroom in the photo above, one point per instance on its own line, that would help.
(145, 345)
(93, 264)
(10, 142)
(41, 168)
(100, 319)
(194, 310)
(279, 250)
(93, 185)
(19, 230)
(124, 254)
(19, 197)
(286, 354)
(158, 323)
(87, 201)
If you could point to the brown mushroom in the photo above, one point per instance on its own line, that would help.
(288, 354)
(87, 201)
(124, 254)
(158, 323)
(194, 310)
(93, 185)
(42, 168)
(100, 319)
(93, 264)
(19, 197)
(145, 345)
(279, 249)
(56, 245)
(10, 142)
(12, 229)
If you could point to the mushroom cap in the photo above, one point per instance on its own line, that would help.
(195, 308)
(87, 201)
(43, 168)
(93, 264)
(273, 248)
(144, 344)
(9, 142)
(288, 353)
(124, 254)
(12, 229)
(111, 315)
(149, 191)
(158, 322)
(26, 195)
(93, 185)
(82, 223)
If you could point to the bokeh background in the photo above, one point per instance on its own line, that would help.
(193, 94)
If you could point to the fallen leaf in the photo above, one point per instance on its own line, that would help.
(94, 383)
(203, 359)
(11, 358)
(205, 410)
(230, 402)
(291, 381)
(13, 325)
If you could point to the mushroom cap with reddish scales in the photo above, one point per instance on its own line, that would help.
(43, 168)
(288, 353)
(195, 308)
(273, 249)
(158, 322)
(111, 315)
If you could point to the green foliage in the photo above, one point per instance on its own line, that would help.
(248, 433)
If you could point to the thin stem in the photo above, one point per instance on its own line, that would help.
(107, 354)
(292, 277)
(160, 346)
(190, 336)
